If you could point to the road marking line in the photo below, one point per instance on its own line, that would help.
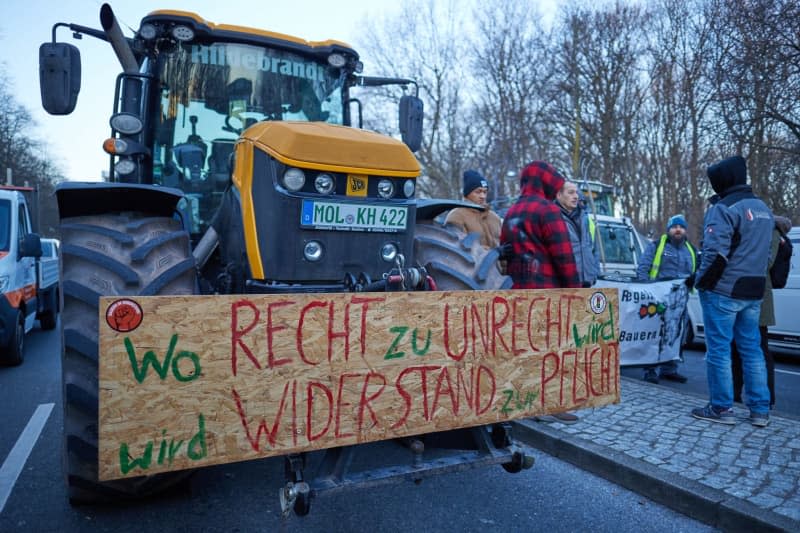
(13, 464)
(787, 372)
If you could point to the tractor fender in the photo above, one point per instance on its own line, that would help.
(99, 198)
(430, 208)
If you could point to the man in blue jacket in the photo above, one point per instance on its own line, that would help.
(731, 281)
(670, 257)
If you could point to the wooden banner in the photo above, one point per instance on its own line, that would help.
(189, 381)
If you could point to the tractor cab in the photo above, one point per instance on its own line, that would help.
(191, 87)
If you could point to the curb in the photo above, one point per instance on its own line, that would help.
(706, 504)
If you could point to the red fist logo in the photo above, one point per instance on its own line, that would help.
(124, 315)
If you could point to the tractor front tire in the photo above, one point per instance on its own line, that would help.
(120, 254)
(457, 260)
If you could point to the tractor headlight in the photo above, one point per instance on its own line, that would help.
(385, 189)
(148, 32)
(336, 60)
(294, 179)
(312, 251)
(126, 123)
(125, 166)
(388, 252)
(408, 188)
(183, 33)
(324, 184)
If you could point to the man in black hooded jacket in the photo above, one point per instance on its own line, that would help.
(731, 281)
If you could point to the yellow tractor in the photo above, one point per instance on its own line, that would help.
(238, 166)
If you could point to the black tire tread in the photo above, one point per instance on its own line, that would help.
(119, 236)
(128, 275)
(98, 259)
(456, 260)
(13, 354)
(141, 252)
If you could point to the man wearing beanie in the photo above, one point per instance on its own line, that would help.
(670, 257)
(483, 221)
(731, 281)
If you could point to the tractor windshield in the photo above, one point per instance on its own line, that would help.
(619, 244)
(209, 93)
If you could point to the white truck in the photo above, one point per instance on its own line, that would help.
(620, 246)
(29, 281)
(784, 336)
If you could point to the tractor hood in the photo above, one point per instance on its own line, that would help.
(322, 146)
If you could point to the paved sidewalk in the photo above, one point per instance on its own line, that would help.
(736, 478)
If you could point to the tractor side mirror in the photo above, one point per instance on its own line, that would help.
(411, 113)
(59, 77)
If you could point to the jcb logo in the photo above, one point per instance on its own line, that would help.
(356, 185)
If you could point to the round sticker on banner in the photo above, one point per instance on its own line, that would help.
(598, 302)
(124, 315)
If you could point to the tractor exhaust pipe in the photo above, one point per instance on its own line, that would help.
(202, 252)
(117, 40)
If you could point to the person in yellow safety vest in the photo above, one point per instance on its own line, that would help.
(670, 257)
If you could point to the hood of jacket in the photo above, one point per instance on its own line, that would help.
(540, 179)
(783, 224)
(727, 174)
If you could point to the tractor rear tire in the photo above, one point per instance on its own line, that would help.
(120, 254)
(457, 260)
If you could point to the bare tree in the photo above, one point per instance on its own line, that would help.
(648, 94)
(757, 88)
(424, 41)
(677, 132)
(601, 61)
(21, 154)
(513, 75)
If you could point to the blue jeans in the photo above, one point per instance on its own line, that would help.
(726, 319)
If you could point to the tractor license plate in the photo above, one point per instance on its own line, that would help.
(353, 217)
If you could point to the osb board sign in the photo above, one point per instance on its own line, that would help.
(189, 381)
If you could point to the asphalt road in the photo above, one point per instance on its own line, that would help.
(552, 496)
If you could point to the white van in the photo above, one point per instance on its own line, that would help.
(622, 246)
(784, 336)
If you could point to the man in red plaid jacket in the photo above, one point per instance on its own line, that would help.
(536, 243)
(540, 254)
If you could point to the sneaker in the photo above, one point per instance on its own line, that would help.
(714, 414)
(564, 418)
(674, 376)
(759, 420)
(650, 376)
